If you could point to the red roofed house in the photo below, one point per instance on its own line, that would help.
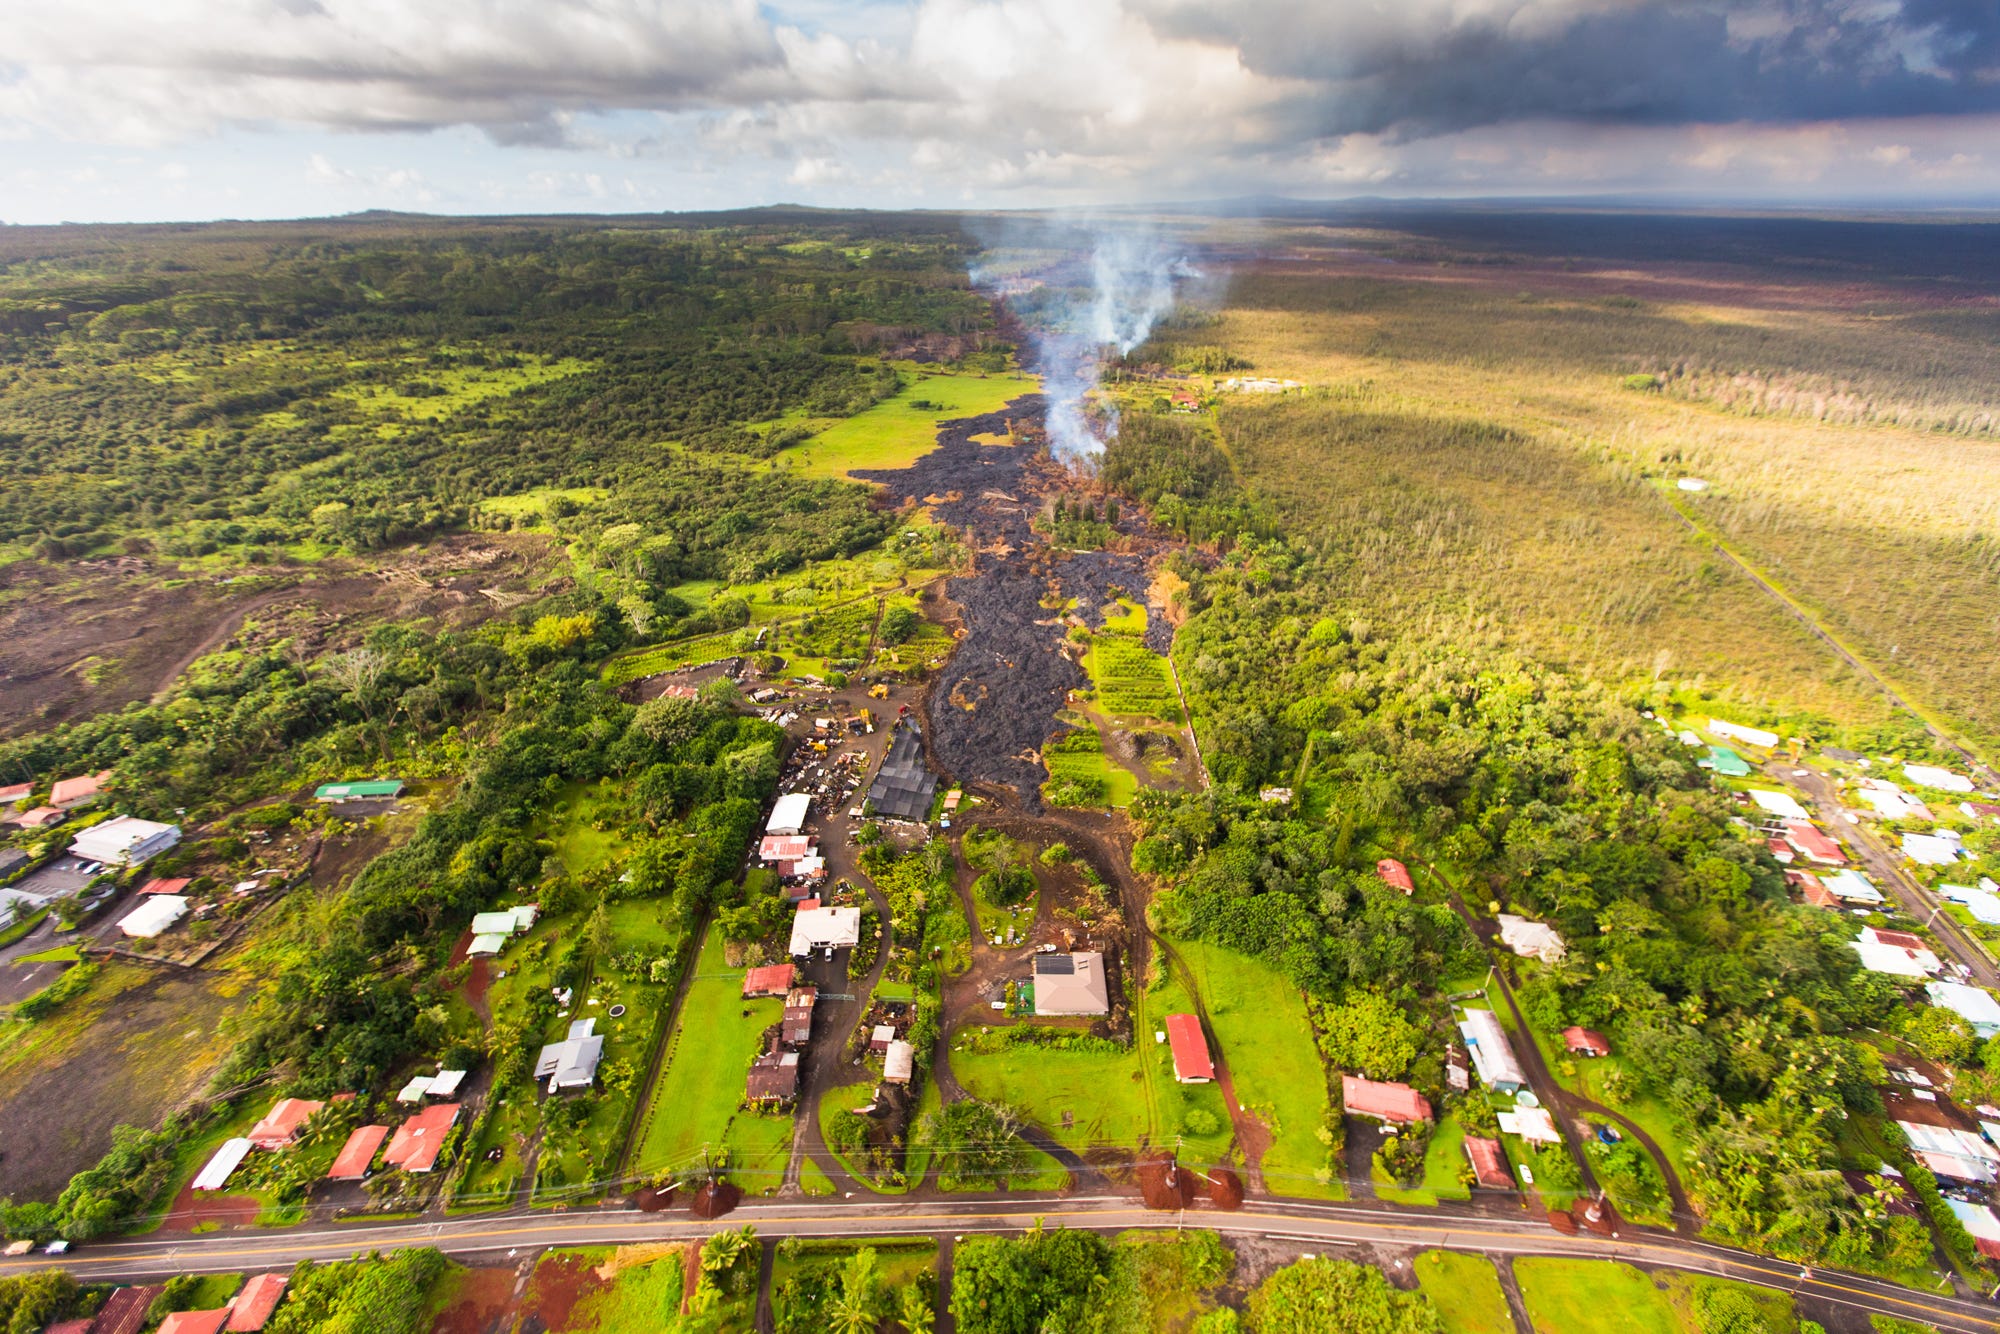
(15, 793)
(417, 1142)
(784, 847)
(1192, 1064)
(1780, 850)
(73, 792)
(41, 817)
(1489, 1163)
(357, 1154)
(165, 886)
(69, 1327)
(1585, 1042)
(195, 1322)
(1395, 875)
(124, 1311)
(280, 1125)
(775, 980)
(1397, 1104)
(1818, 895)
(251, 1308)
(1811, 844)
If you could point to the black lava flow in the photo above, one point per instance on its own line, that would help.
(995, 704)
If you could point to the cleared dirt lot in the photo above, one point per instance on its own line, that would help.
(81, 637)
(151, 1045)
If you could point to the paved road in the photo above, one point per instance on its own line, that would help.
(1324, 1227)
(1885, 866)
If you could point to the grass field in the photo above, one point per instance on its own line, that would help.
(1267, 1042)
(1465, 1291)
(1593, 1297)
(1474, 445)
(695, 1102)
(895, 432)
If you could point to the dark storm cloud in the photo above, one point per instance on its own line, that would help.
(1426, 69)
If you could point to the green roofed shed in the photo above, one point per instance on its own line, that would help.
(1728, 763)
(388, 787)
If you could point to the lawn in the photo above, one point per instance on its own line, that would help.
(1465, 1291)
(1106, 1096)
(1260, 1021)
(695, 1102)
(1777, 1308)
(1587, 1075)
(1593, 1297)
(582, 846)
(895, 432)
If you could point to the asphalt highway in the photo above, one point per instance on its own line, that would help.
(1325, 1228)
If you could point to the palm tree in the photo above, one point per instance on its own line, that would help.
(916, 1309)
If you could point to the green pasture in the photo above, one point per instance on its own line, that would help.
(895, 432)
(1130, 680)
(1466, 1292)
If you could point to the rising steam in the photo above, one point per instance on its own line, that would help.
(1085, 294)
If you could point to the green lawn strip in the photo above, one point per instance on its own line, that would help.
(895, 433)
(760, 1149)
(22, 927)
(1119, 782)
(59, 954)
(1195, 1114)
(1266, 1040)
(1466, 1292)
(813, 1180)
(1443, 1159)
(710, 1053)
(638, 925)
(1128, 619)
(917, 1162)
(1592, 1297)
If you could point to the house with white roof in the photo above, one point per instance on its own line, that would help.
(825, 929)
(1940, 847)
(1975, 1005)
(788, 816)
(1781, 804)
(1532, 940)
(1930, 775)
(1895, 952)
(1850, 886)
(125, 840)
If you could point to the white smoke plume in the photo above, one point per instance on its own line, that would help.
(1086, 293)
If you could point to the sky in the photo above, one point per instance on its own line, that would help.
(144, 110)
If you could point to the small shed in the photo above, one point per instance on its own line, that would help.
(378, 789)
(774, 980)
(1192, 1063)
(899, 1063)
(154, 916)
(1585, 1042)
(880, 1037)
(797, 1023)
(1727, 762)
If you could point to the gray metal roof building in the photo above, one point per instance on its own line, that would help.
(903, 787)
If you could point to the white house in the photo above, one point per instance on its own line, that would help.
(1891, 802)
(1975, 1005)
(1780, 804)
(825, 929)
(125, 840)
(1533, 940)
(1944, 780)
(1850, 886)
(1941, 847)
(1895, 952)
(572, 1063)
(155, 915)
(1492, 1055)
(1755, 736)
